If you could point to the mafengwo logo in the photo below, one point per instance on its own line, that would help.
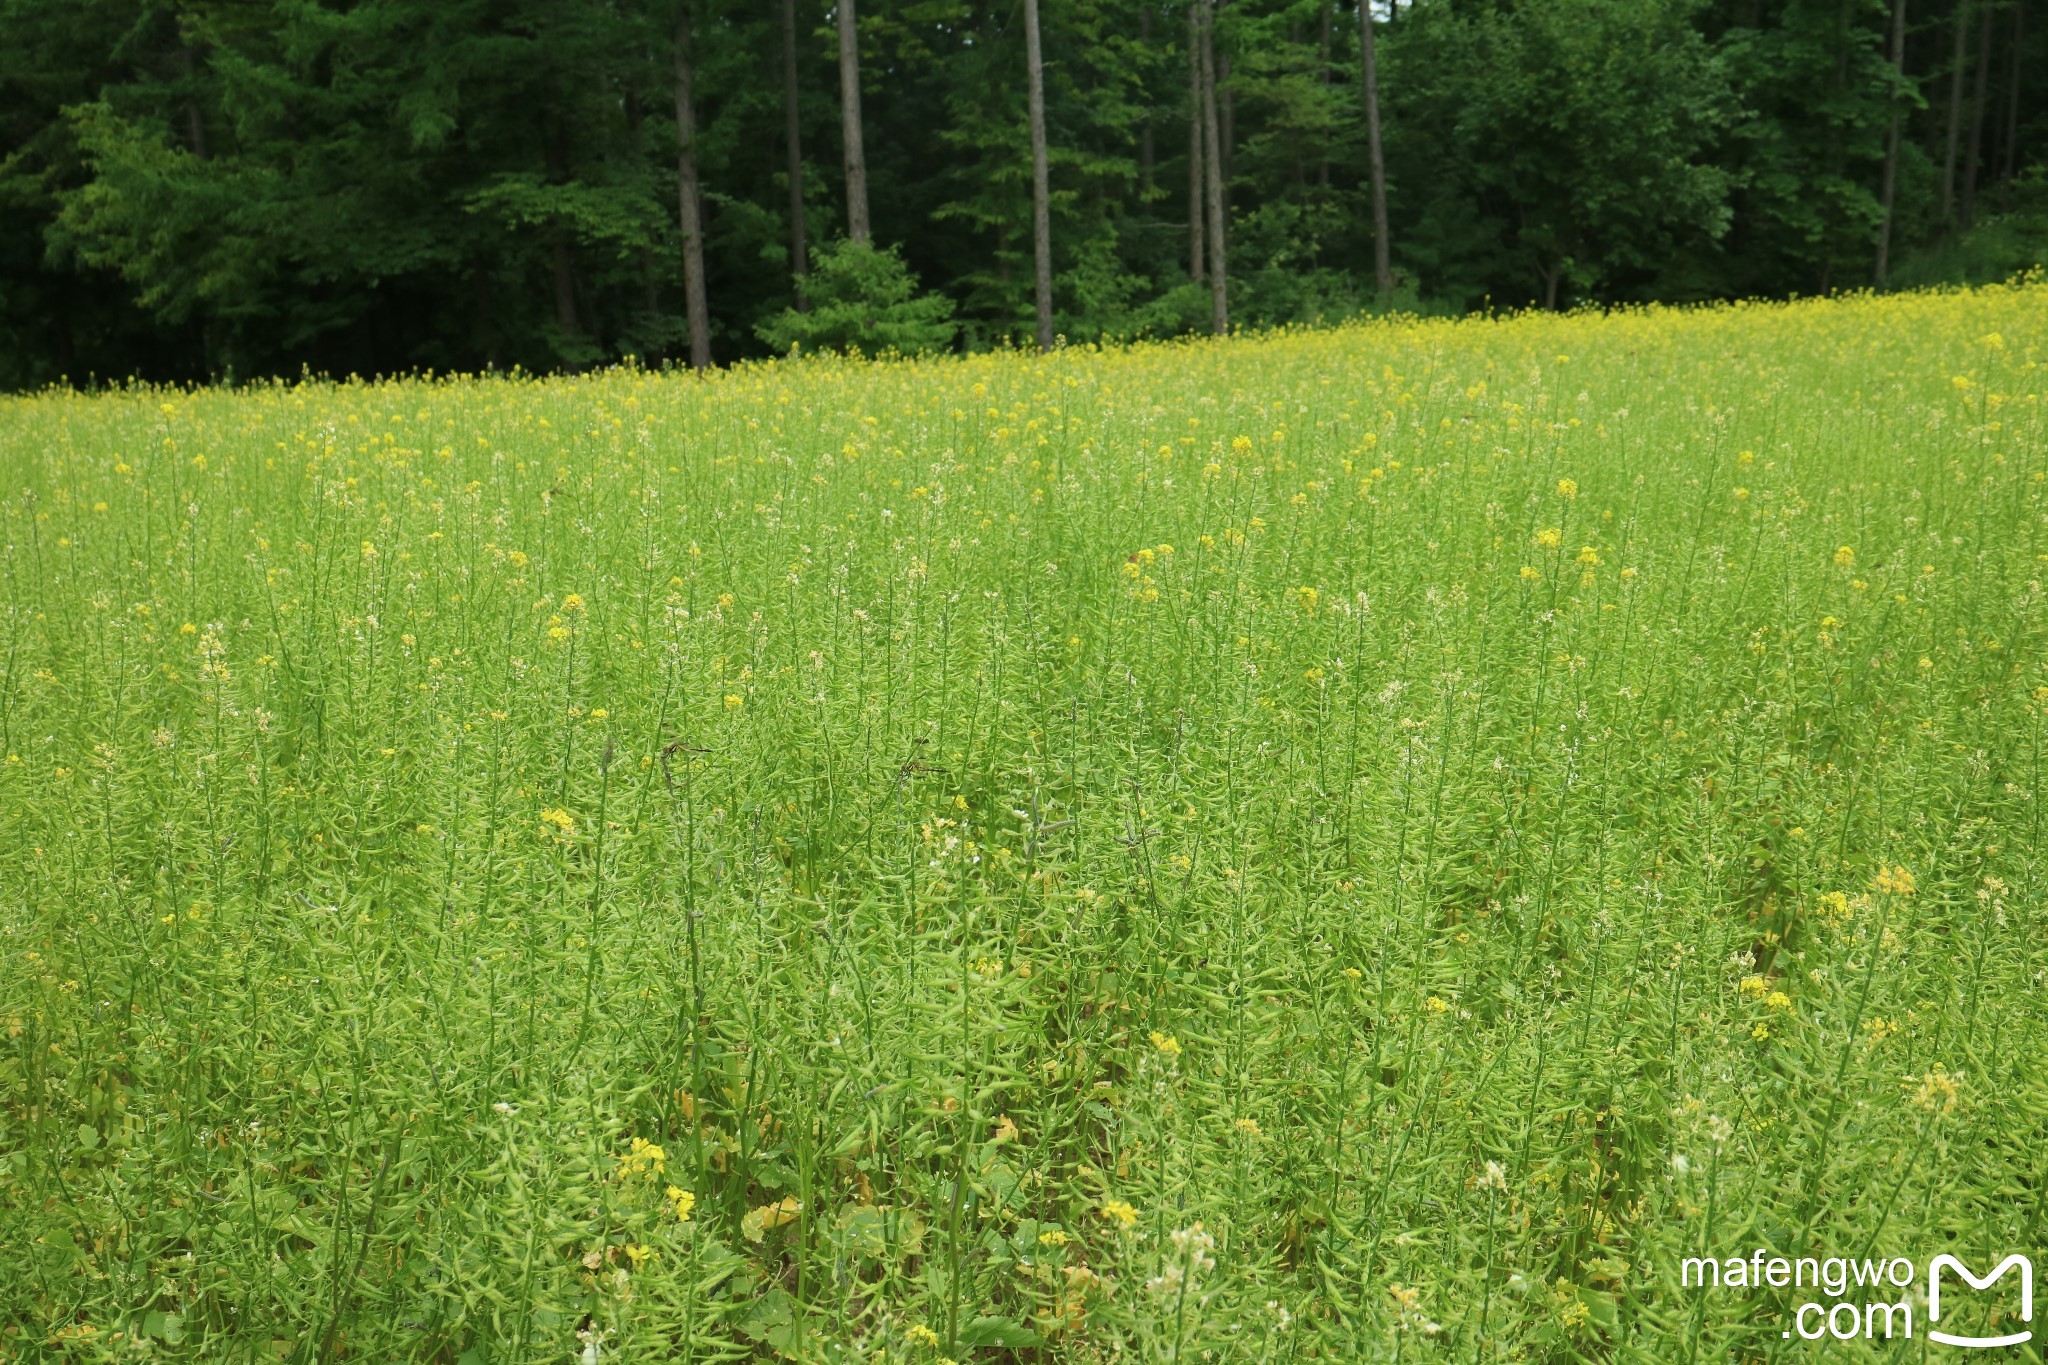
(1874, 1299)
(2012, 1262)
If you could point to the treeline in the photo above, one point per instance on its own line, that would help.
(209, 188)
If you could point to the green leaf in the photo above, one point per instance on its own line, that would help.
(997, 1332)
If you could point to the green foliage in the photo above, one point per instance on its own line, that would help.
(197, 188)
(863, 299)
(2008, 242)
(1582, 148)
(1817, 93)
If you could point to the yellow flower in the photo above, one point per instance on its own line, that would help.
(1845, 555)
(922, 1335)
(1550, 537)
(1435, 1004)
(1052, 1237)
(1588, 555)
(1530, 575)
(682, 1201)
(1936, 1092)
(1120, 1213)
(757, 1224)
(1166, 1043)
(1896, 880)
(1249, 1127)
(1567, 488)
(573, 602)
(637, 1254)
(642, 1158)
(733, 701)
(563, 822)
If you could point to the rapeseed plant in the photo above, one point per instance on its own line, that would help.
(1387, 835)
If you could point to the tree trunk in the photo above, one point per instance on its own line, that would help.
(1212, 174)
(1145, 150)
(1978, 101)
(1955, 110)
(1891, 150)
(2012, 93)
(562, 257)
(849, 110)
(1198, 249)
(1382, 264)
(1041, 207)
(1226, 104)
(686, 195)
(1323, 36)
(799, 254)
(565, 285)
(195, 126)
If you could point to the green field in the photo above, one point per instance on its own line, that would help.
(1351, 844)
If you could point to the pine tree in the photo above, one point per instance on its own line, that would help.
(1212, 173)
(849, 104)
(1041, 212)
(691, 217)
(1368, 59)
(792, 125)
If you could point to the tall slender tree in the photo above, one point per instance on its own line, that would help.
(1198, 199)
(690, 202)
(561, 252)
(1368, 60)
(849, 120)
(1978, 100)
(2012, 91)
(1212, 174)
(1226, 101)
(1041, 205)
(1145, 151)
(792, 136)
(1958, 69)
(1325, 26)
(1888, 193)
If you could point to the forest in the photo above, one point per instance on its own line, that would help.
(229, 189)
